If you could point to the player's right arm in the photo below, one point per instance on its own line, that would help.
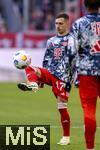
(48, 55)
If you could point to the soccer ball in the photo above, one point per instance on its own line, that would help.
(21, 59)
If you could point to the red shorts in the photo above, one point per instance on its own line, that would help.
(89, 90)
(89, 86)
(57, 85)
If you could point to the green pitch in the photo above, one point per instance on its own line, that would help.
(17, 107)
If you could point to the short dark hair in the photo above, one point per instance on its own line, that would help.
(93, 4)
(62, 15)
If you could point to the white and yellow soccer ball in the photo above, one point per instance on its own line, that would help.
(21, 59)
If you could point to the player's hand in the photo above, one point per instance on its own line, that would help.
(25, 87)
(68, 87)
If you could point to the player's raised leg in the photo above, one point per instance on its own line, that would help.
(33, 74)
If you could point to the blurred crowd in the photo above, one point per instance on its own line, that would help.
(10, 15)
(43, 13)
(35, 15)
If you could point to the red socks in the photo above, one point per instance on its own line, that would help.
(31, 75)
(65, 121)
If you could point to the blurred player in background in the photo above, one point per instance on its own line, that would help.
(56, 71)
(87, 34)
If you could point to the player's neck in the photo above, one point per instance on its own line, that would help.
(63, 34)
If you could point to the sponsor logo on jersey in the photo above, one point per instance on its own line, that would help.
(95, 26)
(96, 48)
(57, 53)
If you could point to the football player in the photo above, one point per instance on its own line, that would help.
(56, 71)
(86, 31)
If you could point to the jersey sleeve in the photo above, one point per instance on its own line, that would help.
(72, 59)
(76, 34)
(47, 56)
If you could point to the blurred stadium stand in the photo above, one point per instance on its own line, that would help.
(9, 16)
(32, 21)
(35, 15)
